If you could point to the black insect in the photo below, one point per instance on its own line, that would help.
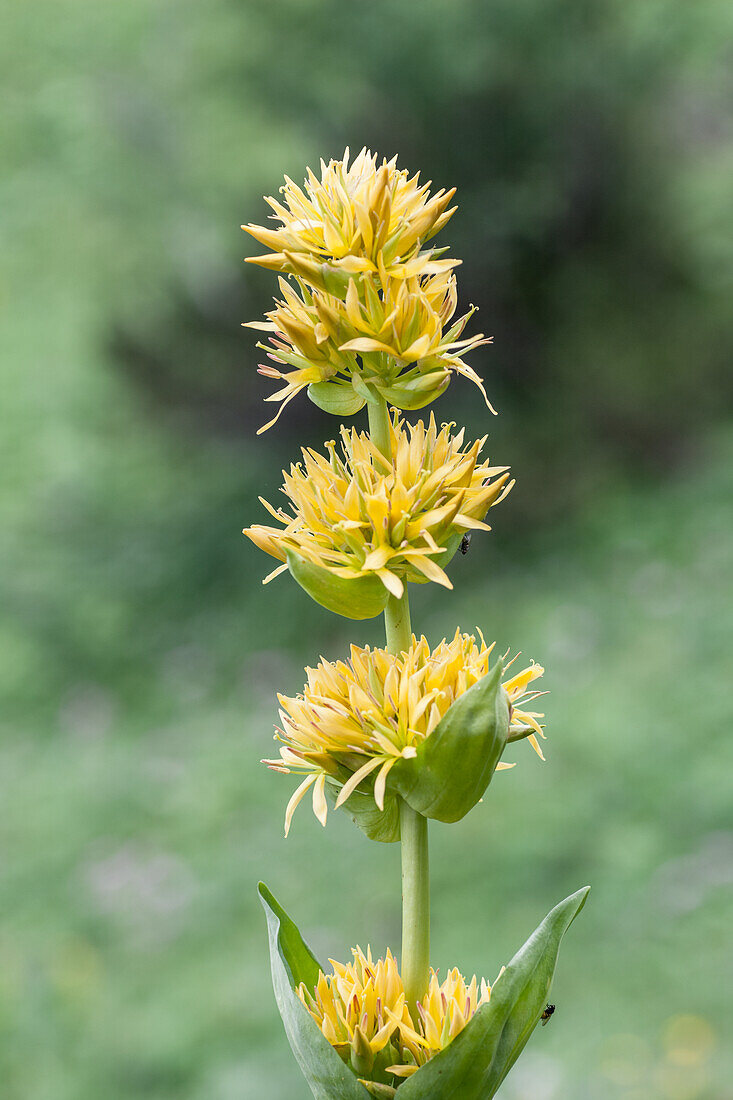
(465, 543)
(549, 1009)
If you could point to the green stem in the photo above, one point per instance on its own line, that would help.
(413, 826)
(379, 424)
(415, 905)
(397, 623)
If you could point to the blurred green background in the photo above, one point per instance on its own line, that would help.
(592, 146)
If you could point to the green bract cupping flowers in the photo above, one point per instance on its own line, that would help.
(400, 735)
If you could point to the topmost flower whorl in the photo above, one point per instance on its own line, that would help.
(369, 311)
(355, 218)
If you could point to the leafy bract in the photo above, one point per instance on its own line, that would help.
(335, 397)
(417, 392)
(453, 766)
(476, 1062)
(360, 598)
(292, 962)
(382, 825)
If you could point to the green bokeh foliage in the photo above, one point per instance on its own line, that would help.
(139, 657)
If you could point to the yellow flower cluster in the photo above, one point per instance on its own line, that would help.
(362, 1010)
(367, 713)
(356, 514)
(368, 308)
(359, 217)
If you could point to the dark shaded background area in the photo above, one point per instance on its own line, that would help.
(592, 147)
(580, 136)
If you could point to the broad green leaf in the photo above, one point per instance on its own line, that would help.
(292, 962)
(382, 825)
(333, 397)
(360, 598)
(454, 765)
(476, 1062)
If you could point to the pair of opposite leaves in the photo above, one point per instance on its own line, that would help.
(474, 1064)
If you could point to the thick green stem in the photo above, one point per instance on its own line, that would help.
(415, 962)
(397, 623)
(379, 426)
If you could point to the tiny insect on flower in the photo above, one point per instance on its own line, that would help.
(358, 718)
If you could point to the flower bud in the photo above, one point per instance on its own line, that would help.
(362, 1056)
(416, 392)
(338, 398)
(376, 1088)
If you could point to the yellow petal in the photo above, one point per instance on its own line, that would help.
(350, 786)
(296, 799)
(320, 806)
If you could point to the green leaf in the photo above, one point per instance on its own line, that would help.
(333, 397)
(454, 765)
(298, 959)
(360, 598)
(381, 825)
(476, 1062)
(363, 388)
(292, 962)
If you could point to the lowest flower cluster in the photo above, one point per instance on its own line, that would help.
(362, 1010)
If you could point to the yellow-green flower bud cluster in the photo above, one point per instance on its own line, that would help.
(369, 310)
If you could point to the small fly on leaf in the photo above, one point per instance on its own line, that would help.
(465, 543)
(549, 1009)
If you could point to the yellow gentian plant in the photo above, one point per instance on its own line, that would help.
(400, 735)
